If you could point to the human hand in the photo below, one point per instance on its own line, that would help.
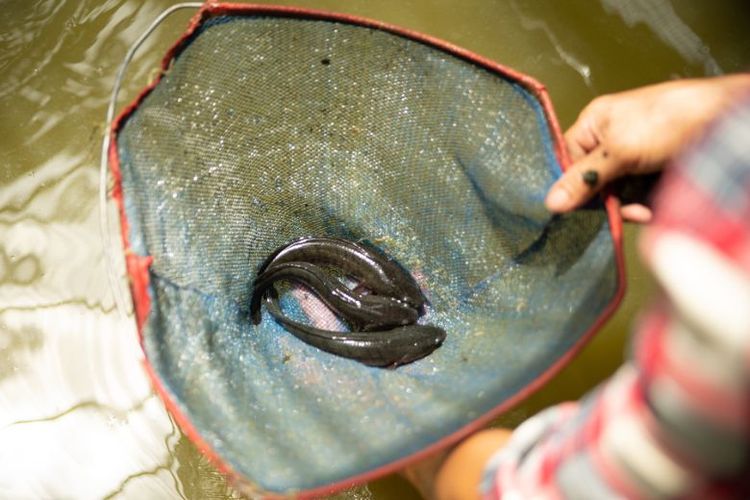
(456, 473)
(637, 132)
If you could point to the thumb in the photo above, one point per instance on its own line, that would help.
(582, 180)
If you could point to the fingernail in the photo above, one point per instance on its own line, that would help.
(558, 199)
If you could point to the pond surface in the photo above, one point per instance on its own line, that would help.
(78, 418)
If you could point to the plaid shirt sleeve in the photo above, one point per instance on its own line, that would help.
(674, 421)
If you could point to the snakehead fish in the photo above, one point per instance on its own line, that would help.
(379, 273)
(382, 348)
(361, 312)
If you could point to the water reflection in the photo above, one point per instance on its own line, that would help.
(77, 415)
(665, 22)
(72, 397)
(565, 55)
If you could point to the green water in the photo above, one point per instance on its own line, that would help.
(77, 416)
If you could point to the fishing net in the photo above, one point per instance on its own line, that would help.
(272, 124)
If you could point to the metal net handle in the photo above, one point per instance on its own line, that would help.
(104, 223)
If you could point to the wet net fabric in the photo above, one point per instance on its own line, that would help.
(266, 129)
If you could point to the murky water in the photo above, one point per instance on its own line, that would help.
(78, 418)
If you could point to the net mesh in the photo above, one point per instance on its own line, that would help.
(268, 128)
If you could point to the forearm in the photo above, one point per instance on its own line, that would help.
(456, 474)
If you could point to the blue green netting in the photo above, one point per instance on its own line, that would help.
(267, 129)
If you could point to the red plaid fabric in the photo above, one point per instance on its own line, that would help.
(674, 421)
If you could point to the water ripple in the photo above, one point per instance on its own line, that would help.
(661, 18)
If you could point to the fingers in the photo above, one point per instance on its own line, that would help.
(581, 138)
(582, 180)
(635, 212)
(585, 178)
(575, 148)
(460, 476)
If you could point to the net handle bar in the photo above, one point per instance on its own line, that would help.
(103, 163)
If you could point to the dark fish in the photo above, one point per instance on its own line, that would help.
(370, 266)
(382, 348)
(362, 312)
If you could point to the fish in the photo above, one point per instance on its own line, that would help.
(363, 312)
(382, 348)
(378, 272)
